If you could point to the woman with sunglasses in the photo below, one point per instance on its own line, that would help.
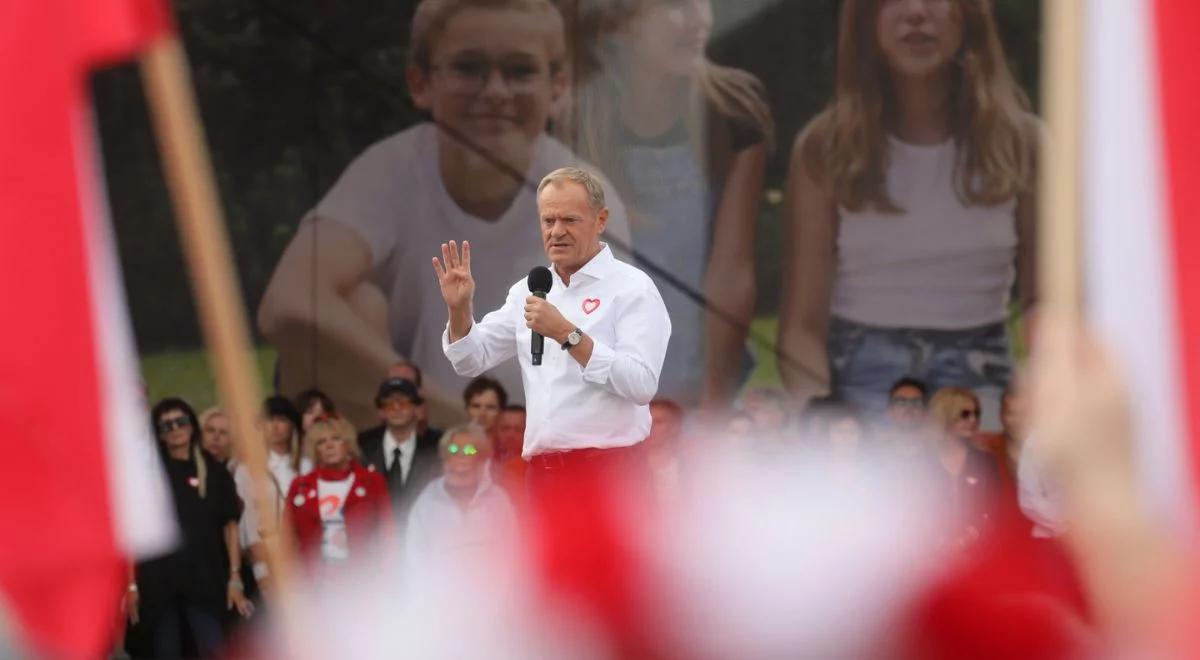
(198, 583)
(340, 507)
(970, 475)
(462, 517)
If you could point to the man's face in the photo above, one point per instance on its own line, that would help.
(1012, 415)
(216, 437)
(409, 372)
(464, 460)
(490, 78)
(571, 228)
(397, 411)
(484, 408)
(510, 432)
(906, 408)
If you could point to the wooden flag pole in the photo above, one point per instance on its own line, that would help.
(1059, 229)
(218, 296)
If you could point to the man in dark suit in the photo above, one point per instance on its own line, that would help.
(407, 459)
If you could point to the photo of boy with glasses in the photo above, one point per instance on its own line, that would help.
(351, 294)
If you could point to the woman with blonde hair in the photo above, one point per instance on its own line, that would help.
(971, 475)
(910, 209)
(338, 508)
(685, 142)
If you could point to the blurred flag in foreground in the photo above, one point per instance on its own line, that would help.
(1141, 204)
(83, 489)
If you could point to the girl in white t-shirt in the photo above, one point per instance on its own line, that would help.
(910, 205)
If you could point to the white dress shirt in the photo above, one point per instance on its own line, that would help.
(569, 406)
(408, 449)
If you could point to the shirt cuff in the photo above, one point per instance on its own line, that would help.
(460, 349)
(599, 365)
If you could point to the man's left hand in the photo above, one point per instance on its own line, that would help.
(545, 319)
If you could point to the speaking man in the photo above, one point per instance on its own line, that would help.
(605, 332)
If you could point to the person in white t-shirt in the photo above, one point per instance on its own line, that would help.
(489, 74)
(461, 518)
(910, 209)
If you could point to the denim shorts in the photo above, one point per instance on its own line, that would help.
(865, 361)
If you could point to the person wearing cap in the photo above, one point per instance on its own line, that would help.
(406, 459)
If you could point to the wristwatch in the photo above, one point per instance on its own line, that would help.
(573, 339)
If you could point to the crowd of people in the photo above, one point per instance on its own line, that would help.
(436, 497)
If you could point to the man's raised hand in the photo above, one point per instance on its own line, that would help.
(454, 275)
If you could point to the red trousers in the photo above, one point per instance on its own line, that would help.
(587, 508)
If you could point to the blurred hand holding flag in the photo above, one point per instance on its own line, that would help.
(80, 468)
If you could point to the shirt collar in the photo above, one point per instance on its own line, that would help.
(596, 267)
(390, 442)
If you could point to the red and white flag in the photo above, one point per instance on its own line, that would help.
(83, 490)
(1141, 177)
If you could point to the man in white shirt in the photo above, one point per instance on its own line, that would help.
(587, 409)
(609, 318)
(406, 459)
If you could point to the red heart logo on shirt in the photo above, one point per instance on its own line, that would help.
(590, 305)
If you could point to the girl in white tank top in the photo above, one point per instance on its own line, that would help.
(910, 205)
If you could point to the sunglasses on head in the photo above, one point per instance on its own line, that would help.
(168, 425)
(969, 414)
(466, 450)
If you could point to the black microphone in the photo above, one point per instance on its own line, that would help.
(539, 285)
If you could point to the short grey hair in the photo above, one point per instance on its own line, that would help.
(473, 431)
(589, 181)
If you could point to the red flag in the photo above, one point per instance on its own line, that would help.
(83, 492)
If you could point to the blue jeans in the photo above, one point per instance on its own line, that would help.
(865, 361)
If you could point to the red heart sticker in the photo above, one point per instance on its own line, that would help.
(590, 305)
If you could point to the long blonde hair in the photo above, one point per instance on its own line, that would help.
(948, 404)
(598, 87)
(989, 119)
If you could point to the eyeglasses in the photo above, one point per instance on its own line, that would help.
(969, 414)
(168, 425)
(469, 75)
(907, 402)
(466, 450)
